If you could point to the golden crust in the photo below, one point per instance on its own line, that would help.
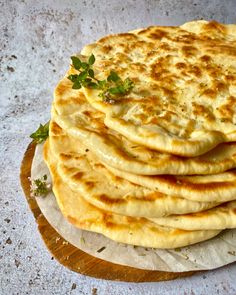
(125, 229)
(190, 73)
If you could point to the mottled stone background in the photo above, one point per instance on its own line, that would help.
(36, 41)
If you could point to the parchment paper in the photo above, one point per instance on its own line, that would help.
(211, 254)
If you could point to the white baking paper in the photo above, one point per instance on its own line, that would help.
(211, 254)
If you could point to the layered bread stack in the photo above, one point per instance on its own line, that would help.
(155, 167)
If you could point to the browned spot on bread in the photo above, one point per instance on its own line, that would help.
(201, 110)
(209, 93)
(228, 109)
(214, 26)
(195, 70)
(184, 37)
(55, 129)
(145, 31)
(205, 58)
(165, 46)
(61, 88)
(181, 65)
(66, 156)
(108, 200)
(78, 175)
(198, 214)
(98, 165)
(230, 78)
(107, 48)
(152, 197)
(189, 51)
(89, 184)
(71, 219)
(157, 34)
(223, 50)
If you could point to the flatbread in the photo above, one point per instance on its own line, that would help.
(135, 231)
(80, 120)
(203, 188)
(84, 173)
(184, 99)
(220, 217)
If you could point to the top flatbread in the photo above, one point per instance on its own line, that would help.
(184, 99)
(80, 120)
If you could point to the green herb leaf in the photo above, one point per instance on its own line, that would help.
(102, 83)
(128, 84)
(84, 65)
(91, 73)
(40, 186)
(76, 85)
(91, 60)
(41, 134)
(117, 90)
(83, 75)
(85, 82)
(93, 85)
(113, 77)
(76, 62)
(73, 78)
(111, 87)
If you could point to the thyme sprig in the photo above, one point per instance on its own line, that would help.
(41, 134)
(111, 87)
(40, 187)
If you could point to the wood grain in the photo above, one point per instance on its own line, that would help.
(75, 259)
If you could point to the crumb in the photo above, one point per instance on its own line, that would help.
(17, 263)
(10, 69)
(9, 241)
(73, 287)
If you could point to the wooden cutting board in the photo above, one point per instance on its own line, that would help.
(77, 260)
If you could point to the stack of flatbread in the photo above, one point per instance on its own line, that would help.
(157, 168)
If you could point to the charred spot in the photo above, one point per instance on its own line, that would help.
(78, 175)
(196, 71)
(181, 65)
(215, 26)
(55, 128)
(89, 184)
(209, 93)
(106, 48)
(108, 200)
(152, 196)
(157, 34)
(230, 78)
(66, 156)
(205, 58)
(189, 51)
(165, 46)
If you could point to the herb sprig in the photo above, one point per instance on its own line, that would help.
(41, 134)
(40, 187)
(111, 88)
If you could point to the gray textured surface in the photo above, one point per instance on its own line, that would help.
(36, 41)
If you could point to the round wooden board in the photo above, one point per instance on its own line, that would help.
(74, 258)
